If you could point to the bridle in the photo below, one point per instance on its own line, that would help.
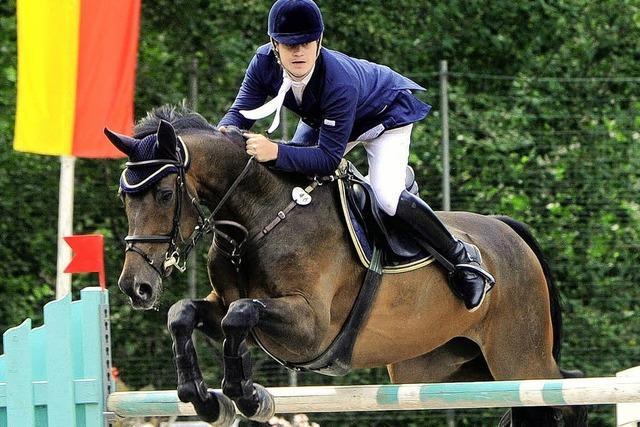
(206, 224)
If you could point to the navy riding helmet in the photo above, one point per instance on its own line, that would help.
(294, 22)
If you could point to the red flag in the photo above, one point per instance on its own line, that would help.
(88, 255)
(76, 75)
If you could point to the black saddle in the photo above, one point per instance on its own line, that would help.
(387, 232)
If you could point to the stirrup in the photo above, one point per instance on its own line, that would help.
(489, 280)
(474, 255)
(473, 266)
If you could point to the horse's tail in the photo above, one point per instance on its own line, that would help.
(554, 295)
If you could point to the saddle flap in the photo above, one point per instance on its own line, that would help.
(360, 195)
(369, 223)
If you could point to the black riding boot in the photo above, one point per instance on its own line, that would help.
(468, 280)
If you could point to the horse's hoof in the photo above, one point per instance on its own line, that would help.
(216, 409)
(266, 405)
(192, 391)
(227, 411)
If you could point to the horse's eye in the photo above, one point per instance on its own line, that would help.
(164, 196)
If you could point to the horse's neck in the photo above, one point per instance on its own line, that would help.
(259, 199)
(215, 173)
(260, 194)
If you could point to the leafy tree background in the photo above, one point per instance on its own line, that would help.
(545, 127)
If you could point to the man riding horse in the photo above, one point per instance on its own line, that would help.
(341, 99)
(298, 301)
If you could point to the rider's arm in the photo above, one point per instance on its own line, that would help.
(338, 116)
(304, 136)
(252, 94)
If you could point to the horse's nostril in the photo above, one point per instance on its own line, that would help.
(143, 291)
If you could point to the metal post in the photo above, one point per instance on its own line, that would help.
(193, 85)
(65, 223)
(192, 278)
(193, 105)
(444, 113)
(446, 182)
(285, 124)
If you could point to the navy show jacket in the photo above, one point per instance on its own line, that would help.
(344, 98)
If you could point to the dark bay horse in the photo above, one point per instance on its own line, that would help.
(293, 289)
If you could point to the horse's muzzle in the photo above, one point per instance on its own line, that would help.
(142, 294)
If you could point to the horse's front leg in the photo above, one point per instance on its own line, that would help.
(205, 315)
(288, 318)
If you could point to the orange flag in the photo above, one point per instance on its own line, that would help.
(88, 255)
(76, 75)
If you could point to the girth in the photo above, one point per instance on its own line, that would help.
(336, 359)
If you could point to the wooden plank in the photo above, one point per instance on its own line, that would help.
(94, 302)
(59, 363)
(20, 408)
(406, 397)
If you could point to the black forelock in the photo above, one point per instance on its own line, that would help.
(180, 117)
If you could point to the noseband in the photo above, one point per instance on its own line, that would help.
(206, 224)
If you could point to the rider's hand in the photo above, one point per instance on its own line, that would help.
(260, 147)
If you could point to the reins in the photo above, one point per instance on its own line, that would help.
(236, 250)
(229, 247)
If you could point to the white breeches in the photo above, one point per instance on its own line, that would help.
(388, 155)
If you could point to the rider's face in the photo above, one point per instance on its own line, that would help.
(298, 59)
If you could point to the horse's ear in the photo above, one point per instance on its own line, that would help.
(166, 141)
(121, 142)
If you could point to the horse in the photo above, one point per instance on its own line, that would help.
(291, 290)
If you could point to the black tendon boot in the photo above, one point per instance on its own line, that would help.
(468, 280)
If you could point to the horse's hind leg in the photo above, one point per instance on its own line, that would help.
(458, 360)
(527, 368)
(525, 352)
(573, 416)
(184, 316)
(567, 416)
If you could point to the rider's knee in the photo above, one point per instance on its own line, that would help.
(388, 202)
(387, 195)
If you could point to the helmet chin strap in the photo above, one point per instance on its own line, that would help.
(291, 76)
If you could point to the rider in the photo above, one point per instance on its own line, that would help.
(341, 99)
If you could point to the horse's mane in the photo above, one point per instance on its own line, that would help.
(180, 117)
(183, 120)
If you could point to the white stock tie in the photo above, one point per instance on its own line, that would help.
(275, 105)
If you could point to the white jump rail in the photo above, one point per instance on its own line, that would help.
(493, 394)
